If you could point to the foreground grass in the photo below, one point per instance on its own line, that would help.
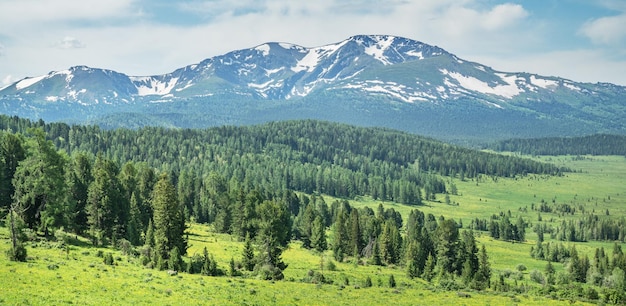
(54, 276)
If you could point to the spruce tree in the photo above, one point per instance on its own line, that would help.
(248, 254)
(169, 221)
(318, 235)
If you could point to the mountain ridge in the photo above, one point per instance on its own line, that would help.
(393, 76)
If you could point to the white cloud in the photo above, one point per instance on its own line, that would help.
(606, 30)
(583, 65)
(69, 42)
(144, 46)
(25, 12)
(7, 80)
(502, 16)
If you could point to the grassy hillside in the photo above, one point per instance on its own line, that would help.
(75, 273)
(55, 276)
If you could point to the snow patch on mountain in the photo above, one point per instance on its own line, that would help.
(314, 55)
(378, 50)
(393, 89)
(147, 86)
(414, 53)
(543, 83)
(508, 90)
(264, 49)
(572, 86)
(27, 82)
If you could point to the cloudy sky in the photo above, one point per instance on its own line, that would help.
(580, 40)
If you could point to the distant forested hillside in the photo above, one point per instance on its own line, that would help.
(600, 144)
(308, 156)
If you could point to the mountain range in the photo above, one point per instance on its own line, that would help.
(369, 80)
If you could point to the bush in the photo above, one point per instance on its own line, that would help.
(590, 293)
(368, 282)
(318, 278)
(520, 267)
(108, 259)
(195, 264)
(17, 254)
(125, 246)
(392, 281)
(268, 272)
(330, 266)
(537, 277)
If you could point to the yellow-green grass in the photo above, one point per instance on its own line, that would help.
(52, 276)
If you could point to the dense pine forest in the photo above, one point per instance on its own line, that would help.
(599, 144)
(138, 190)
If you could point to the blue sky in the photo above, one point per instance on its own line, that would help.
(577, 39)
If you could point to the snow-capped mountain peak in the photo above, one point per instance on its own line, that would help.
(391, 70)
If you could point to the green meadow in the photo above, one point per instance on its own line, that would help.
(75, 273)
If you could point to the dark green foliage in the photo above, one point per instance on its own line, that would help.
(106, 206)
(368, 282)
(274, 234)
(447, 241)
(482, 278)
(392, 281)
(248, 255)
(12, 152)
(209, 265)
(318, 235)
(599, 144)
(169, 222)
(175, 261)
(108, 259)
(17, 253)
(40, 188)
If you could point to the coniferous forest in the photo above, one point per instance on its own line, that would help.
(139, 190)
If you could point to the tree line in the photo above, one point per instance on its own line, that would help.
(599, 144)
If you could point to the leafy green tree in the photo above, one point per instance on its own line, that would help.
(39, 182)
(169, 221)
(12, 152)
(17, 252)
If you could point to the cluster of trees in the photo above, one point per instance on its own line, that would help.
(599, 144)
(500, 227)
(431, 248)
(603, 270)
(588, 227)
(132, 204)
